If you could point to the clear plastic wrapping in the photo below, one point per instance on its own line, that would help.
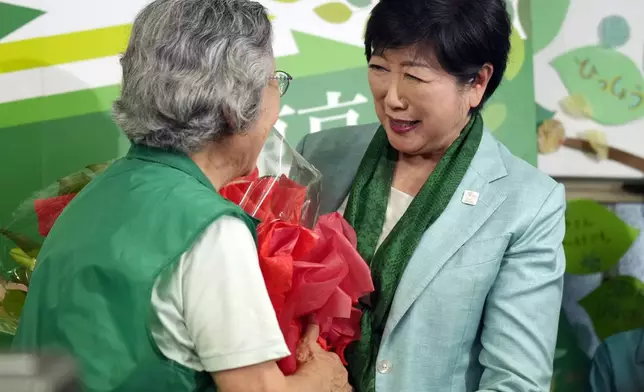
(284, 186)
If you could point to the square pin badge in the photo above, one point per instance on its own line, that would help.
(470, 198)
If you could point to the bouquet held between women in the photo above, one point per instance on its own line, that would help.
(309, 262)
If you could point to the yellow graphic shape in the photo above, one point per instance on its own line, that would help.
(62, 49)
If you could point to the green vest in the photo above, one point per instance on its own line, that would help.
(90, 294)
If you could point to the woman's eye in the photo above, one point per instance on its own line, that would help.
(412, 77)
(377, 67)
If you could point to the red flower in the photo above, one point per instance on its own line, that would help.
(48, 210)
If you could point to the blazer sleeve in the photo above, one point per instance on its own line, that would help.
(521, 318)
(300, 145)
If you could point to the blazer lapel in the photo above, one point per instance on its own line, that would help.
(337, 155)
(335, 192)
(454, 227)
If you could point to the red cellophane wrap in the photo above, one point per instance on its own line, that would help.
(307, 272)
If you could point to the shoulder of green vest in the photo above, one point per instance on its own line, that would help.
(178, 194)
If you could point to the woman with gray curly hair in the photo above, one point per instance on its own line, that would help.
(149, 278)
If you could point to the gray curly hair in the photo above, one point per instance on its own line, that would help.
(193, 72)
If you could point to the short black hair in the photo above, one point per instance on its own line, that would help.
(462, 34)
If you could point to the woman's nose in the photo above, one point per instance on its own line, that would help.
(393, 98)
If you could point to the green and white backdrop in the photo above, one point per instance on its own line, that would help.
(59, 73)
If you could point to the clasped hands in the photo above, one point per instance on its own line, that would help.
(312, 358)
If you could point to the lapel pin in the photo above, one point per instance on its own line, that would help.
(470, 198)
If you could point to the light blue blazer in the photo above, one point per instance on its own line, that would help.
(478, 305)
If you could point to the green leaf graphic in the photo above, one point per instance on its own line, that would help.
(547, 19)
(313, 56)
(516, 56)
(518, 132)
(360, 3)
(494, 115)
(13, 17)
(611, 83)
(334, 12)
(616, 306)
(596, 239)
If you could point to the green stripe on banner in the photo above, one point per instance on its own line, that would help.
(58, 106)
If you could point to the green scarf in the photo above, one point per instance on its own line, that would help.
(366, 209)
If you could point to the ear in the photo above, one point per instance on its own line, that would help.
(479, 84)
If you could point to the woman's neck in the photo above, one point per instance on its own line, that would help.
(412, 172)
(217, 166)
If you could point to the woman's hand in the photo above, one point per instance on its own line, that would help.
(328, 366)
(319, 371)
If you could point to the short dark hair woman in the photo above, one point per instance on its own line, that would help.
(464, 240)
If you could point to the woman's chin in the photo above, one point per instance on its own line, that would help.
(404, 143)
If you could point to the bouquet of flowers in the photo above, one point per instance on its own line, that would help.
(309, 262)
(22, 238)
(310, 265)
